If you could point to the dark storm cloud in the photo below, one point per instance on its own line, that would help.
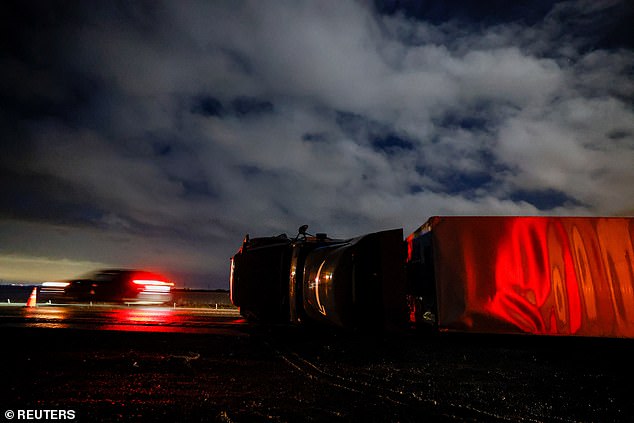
(546, 199)
(487, 12)
(157, 134)
(240, 107)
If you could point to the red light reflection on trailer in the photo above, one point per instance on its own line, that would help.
(536, 285)
(566, 276)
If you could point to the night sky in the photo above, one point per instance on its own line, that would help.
(156, 134)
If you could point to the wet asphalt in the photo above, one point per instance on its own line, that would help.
(238, 372)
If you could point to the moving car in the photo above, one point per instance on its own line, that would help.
(119, 285)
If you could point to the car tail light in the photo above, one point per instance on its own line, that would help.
(153, 285)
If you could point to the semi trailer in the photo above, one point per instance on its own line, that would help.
(496, 274)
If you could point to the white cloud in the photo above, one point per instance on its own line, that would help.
(481, 114)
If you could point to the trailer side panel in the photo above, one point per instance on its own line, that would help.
(537, 275)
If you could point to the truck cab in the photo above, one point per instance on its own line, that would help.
(349, 283)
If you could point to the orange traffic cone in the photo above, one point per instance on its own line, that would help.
(32, 302)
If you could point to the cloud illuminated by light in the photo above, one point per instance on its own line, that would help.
(15, 268)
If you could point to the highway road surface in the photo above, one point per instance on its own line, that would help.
(123, 318)
(118, 363)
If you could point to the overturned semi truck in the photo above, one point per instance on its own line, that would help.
(498, 274)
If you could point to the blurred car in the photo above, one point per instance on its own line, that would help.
(120, 286)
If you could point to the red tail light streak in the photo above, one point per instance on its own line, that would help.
(151, 285)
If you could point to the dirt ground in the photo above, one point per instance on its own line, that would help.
(286, 374)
